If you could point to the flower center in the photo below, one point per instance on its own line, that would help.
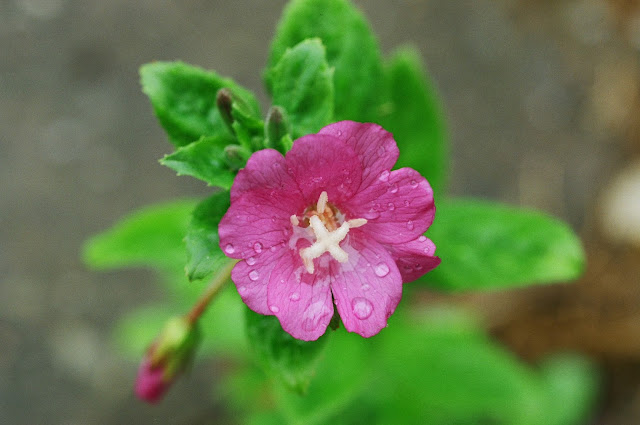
(329, 229)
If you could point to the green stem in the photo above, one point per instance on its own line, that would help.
(212, 290)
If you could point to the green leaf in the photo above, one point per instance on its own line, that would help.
(350, 48)
(204, 160)
(284, 357)
(203, 252)
(152, 236)
(487, 246)
(184, 100)
(302, 84)
(571, 384)
(414, 116)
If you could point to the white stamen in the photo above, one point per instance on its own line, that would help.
(294, 220)
(325, 242)
(322, 202)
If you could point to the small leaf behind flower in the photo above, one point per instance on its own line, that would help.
(351, 49)
(204, 160)
(290, 360)
(204, 256)
(415, 118)
(184, 100)
(151, 236)
(302, 83)
(484, 245)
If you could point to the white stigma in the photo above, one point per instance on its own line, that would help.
(326, 241)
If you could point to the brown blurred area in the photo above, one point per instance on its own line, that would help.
(543, 104)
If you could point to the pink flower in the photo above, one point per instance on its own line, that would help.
(329, 223)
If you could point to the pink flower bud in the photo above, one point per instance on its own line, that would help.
(166, 358)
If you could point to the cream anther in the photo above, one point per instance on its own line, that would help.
(357, 222)
(294, 220)
(322, 202)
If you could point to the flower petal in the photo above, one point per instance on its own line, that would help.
(266, 169)
(414, 258)
(252, 275)
(368, 287)
(257, 220)
(301, 301)
(398, 208)
(324, 163)
(375, 147)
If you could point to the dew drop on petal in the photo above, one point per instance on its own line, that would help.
(257, 247)
(229, 249)
(381, 270)
(254, 275)
(418, 267)
(422, 238)
(242, 289)
(371, 215)
(391, 206)
(339, 133)
(272, 249)
(384, 176)
(294, 296)
(413, 184)
(362, 308)
(410, 225)
(406, 202)
(274, 309)
(313, 315)
(251, 261)
(365, 287)
(393, 188)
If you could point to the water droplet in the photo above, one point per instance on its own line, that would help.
(257, 247)
(384, 176)
(418, 267)
(273, 219)
(294, 297)
(391, 206)
(381, 270)
(371, 215)
(376, 207)
(413, 184)
(242, 289)
(254, 275)
(272, 249)
(410, 225)
(251, 261)
(339, 133)
(422, 238)
(362, 307)
(365, 287)
(393, 188)
(229, 249)
(313, 315)
(274, 309)
(406, 202)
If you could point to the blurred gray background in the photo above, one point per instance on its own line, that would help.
(541, 99)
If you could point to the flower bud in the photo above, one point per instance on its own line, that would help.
(276, 128)
(166, 358)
